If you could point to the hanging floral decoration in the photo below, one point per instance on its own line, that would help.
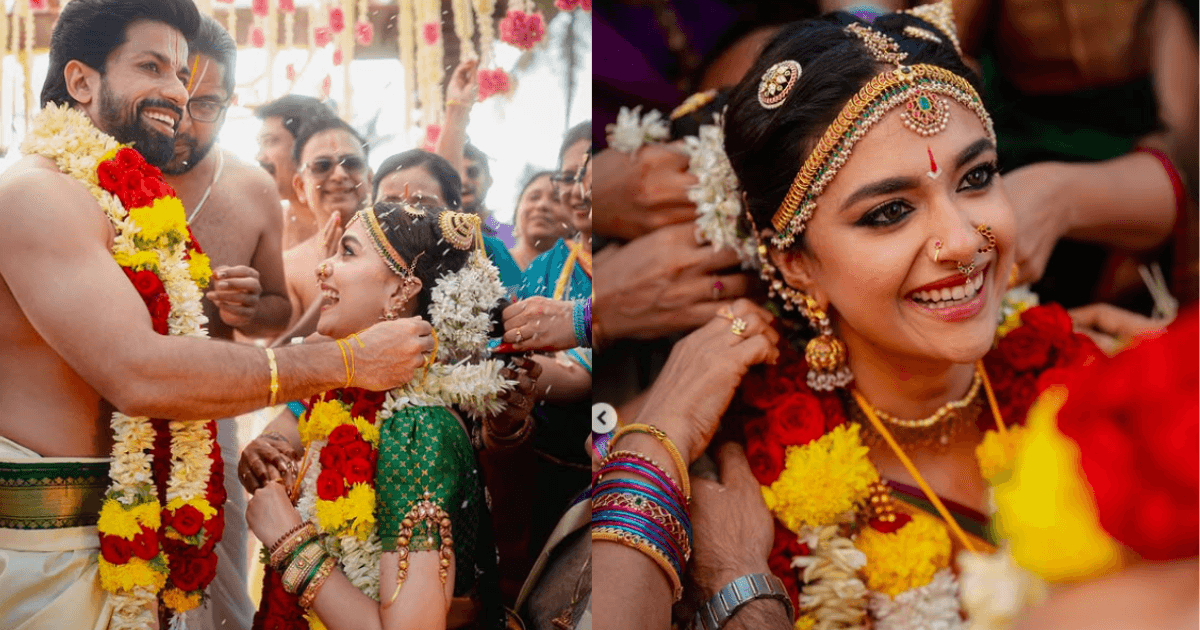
(430, 137)
(258, 39)
(431, 32)
(338, 56)
(337, 19)
(322, 36)
(493, 82)
(364, 33)
(522, 29)
(148, 549)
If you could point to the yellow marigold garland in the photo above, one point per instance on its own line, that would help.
(821, 480)
(907, 558)
(997, 451)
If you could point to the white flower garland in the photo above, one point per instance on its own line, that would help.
(833, 593)
(933, 606)
(631, 130)
(67, 136)
(718, 203)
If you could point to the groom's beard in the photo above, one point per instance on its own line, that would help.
(123, 121)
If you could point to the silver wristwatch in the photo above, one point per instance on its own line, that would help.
(715, 612)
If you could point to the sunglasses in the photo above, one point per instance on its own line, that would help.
(322, 166)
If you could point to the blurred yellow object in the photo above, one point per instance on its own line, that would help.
(1046, 510)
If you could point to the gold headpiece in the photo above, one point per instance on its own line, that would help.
(926, 113)
(389, 254)
(461, 229)
(941, 15)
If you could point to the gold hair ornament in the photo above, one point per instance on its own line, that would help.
(941, 16)
(389, 254)
(777, 82)
(461, 229)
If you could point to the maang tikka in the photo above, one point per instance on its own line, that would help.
(826, 354)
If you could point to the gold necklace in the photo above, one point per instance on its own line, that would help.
(878, 425)
(937, 430)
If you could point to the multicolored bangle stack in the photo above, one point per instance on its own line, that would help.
(305, 565)
(644, 509)
(582, 317)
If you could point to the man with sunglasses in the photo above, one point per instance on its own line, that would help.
(234, 211)
(332, 179)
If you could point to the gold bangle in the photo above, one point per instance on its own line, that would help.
(658, 434)
(301, 565)
(647, 548)
(314, 585)
(274, 377)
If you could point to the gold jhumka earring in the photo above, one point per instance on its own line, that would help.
(826, 354)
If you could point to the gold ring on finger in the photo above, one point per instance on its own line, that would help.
(518, 335)
(738, 327)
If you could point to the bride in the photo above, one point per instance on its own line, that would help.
(867, 165)
(389, 523)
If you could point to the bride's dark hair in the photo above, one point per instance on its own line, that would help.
(768, 146)
(418, 240)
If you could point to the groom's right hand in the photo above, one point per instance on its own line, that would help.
(391, 353)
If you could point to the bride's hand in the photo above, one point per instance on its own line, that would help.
(704, 369)
(270, 513)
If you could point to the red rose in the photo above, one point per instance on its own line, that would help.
(357, 449)
(194, 573)
(1014, 404)
(216, 495)
(145, 544)
(359, 470)
(1025, 349)
(333, 457)
(1076, 350)
(764, 454)
(796, 419)
(1055, 376)
(109, 174)
(129, 158)
(343, 434)
(116, 550)
(160, 309)
(330, 485)
(1050, 321)
(367, 403)
(187, 520)
(147, 284)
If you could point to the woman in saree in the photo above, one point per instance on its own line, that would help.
(888, 415)
(389, 523)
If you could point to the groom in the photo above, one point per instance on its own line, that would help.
(76, 339)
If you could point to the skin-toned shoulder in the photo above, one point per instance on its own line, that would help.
(33, 187)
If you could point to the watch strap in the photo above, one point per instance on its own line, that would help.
(716, 611)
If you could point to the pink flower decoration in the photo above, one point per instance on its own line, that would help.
(523, 30)
(431, 137)
(37, 5)
(566, 5)
(322, 36)
(431, 31)
(337, 57)
(225, 1)
(337, 20)
(586, 5)
(492, 82)
(287, 6)
(257, 38)
(290, 71)
(364, 32)
(326, 86)
(259, 8)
